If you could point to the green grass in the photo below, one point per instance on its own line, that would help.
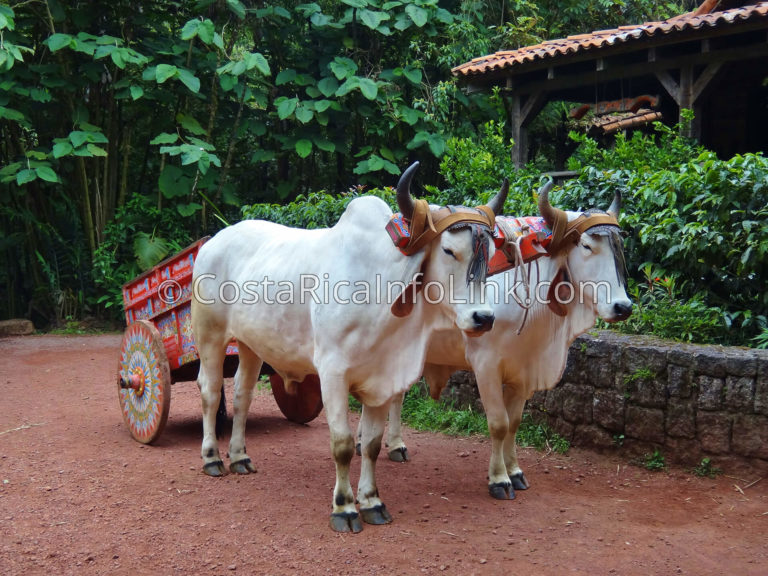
(422, 413)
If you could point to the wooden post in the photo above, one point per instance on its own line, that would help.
(519, 151)
(686, 93)
(519, 114)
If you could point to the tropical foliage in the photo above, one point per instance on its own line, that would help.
(129, 129)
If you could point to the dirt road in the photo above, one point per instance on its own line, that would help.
(79, 496)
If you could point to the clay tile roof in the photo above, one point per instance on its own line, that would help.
(580, 43)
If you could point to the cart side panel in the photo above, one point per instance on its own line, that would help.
(163, 288)
(167, 325)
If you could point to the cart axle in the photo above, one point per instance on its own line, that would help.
(132, 381)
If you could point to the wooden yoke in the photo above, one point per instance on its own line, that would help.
(425, 225)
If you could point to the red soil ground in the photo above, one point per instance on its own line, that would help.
(79, 496)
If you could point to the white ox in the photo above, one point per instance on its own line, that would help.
(360, 344)
(509, 364)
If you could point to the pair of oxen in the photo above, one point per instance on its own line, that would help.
(369, 318)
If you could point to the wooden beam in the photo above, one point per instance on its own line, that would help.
(533, 105)
(672, 87)
(686, 100)
(705, 78)
(520, 115)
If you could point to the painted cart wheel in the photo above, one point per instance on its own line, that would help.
(302, 407)
(144, 381)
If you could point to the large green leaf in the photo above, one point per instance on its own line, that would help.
(372, 18)
(25, 176)
(165, 71)
(188, 210)
(164, 138)
(58, 41)
(149, 250)
(46, 173)
(62, 149)
(325, 145)
(417, 14)
(285, 76)
(173, 182)
(95, 150)
(328, 86)
(237, 8)
(191, 156)
(257, 60)
(189, 30)
(343, 67)
(303, 147)
(413, 74)
(78, 138)
(190, 124)
(286, 107)
(349, 85)
(189, 80)
(304, 113)
(369, 88)
(206, 31)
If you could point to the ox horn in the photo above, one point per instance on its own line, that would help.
(404, 200)
(615, 207)
(497, 202)
(549, 212)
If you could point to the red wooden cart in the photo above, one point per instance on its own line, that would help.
(158, 350)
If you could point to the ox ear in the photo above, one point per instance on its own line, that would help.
(413, 278)
(559, 292)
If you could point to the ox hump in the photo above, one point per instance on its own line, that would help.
(367, 211)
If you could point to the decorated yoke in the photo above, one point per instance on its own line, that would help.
(530, 233)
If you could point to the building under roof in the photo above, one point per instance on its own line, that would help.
(713, 61)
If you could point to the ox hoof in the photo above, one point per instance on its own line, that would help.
(215, 468)
(501, 491)
(359, 449)
(242, 467)
(399, 454)
(346, 522)
(519, 481)
(377, 515)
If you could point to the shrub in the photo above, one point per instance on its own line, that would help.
(701, 222)
(703, 219)
(137, 238)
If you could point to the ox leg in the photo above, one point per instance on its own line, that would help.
(210, 381)
(344, 517)
(246, 377)
(397, 449)
(372, 509)
(489, 386)
(514, 402)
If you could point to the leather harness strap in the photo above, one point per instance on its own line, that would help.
(425, 225)
(562, 229)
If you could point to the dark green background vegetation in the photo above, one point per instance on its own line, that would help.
(128, 129)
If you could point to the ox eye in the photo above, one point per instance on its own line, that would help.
(449, 252)
(587, 247)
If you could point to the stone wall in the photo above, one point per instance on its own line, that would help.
(635, 394)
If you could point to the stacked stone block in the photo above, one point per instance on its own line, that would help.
(638, 394)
